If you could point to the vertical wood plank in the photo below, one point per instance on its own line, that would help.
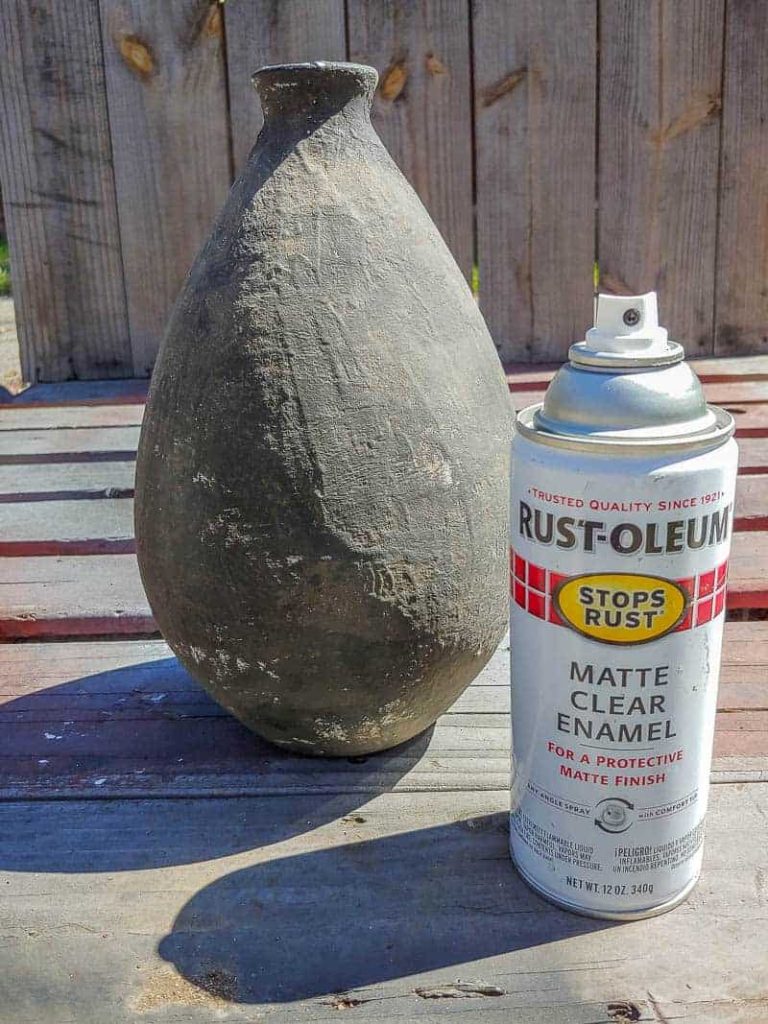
(742, 265)
(168, 115)
(535, 100)
(422, 109)
(660, 99)
(274, 32)
(59, 193)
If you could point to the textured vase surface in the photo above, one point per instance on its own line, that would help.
(322, 474)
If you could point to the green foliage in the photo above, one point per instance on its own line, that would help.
(474, 282)
(5, 267)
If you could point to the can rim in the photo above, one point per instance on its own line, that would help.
(580, 354)
(719, 432)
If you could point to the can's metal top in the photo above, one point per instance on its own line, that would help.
(626, 385)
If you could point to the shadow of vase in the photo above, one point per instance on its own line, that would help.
(148, 731)
(338, 919)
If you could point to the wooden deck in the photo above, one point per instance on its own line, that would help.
(158, 863)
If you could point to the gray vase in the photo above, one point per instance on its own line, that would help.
(322, 475)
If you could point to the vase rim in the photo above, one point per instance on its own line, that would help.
(364, 71)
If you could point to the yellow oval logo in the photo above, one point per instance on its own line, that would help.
(621, 607)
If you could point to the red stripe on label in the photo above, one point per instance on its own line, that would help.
(532, 587)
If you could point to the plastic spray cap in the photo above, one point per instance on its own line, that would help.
(626, 333)
(627, 383)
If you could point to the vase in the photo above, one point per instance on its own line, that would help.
(321, 484)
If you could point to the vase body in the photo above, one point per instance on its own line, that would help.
(322, 483)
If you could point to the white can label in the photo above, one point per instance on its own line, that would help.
(617, 606)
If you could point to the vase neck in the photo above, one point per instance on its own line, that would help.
(311, 93)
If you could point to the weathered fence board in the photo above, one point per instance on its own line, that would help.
(742, 259)
(59, 193)
(544, 136)
(273, 32)
(660, 75)
(168, 115)
(423, 105)
(535, 110)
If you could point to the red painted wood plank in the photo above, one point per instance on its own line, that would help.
(102, 594)
(751, 420)
(62, 481)
(28, 669)
(753, 450)
(50, 523)
(748, 403)
(740, 694)
(86, 546)
(128, 709)
(58, 483)
(141, 701)
(742, 395)
(748, 571)
(36, 417)
(742, 735)
(82, 392)
(735, 392)
(86, 444)
(753, 455)
(525, 376)
(751, 503)
(750, 414)
(112, 668)
(67, 527)
(725, 394)
(728, 368)
(122, 718)
(94, 595)
(746, 648)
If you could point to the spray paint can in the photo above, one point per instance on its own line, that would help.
(622, 491)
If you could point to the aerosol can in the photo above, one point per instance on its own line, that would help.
(622, 493)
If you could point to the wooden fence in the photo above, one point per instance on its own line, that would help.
(543, 135)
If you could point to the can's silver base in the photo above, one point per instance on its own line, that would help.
(607, 915)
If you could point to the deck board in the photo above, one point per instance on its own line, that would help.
(91, 594)
(122, 718)
(75, 450)
(751, 508)
(521, 376)
(56, 522)
(727, 369)
(42, 417)
(753, 455)
(67, 481)
(747, 403)
(67, 527)
(78, 595)
(527, 392)
(747, 576)
(164, 857)
(200, 910)
(69, 444)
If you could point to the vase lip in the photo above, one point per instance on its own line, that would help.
(363, 73)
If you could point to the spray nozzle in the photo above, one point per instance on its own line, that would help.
(627, 324)
(626, 333)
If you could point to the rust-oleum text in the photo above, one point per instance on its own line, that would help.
(627, 538)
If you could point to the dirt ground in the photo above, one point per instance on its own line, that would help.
(10, 368)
